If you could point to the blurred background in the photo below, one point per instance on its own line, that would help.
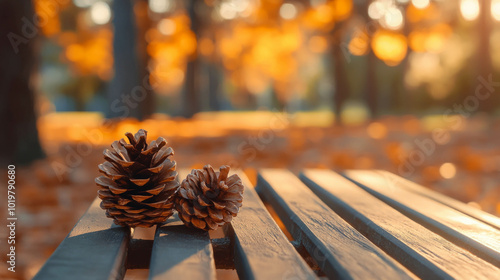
(406, 86)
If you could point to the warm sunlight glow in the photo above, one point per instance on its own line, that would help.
(166, 26)
(393, 19)
(206, 47)
(430, 39)
(171, 45)
(318, 44)
(51, 24)
(343, 8)
(83, 3)
(359, 44)
(495, 9)
(288, 11)
(376, 130)
(474, 204)
(420, 4)
(228, 11)
(448, 170)
(376, 10)
(159, 6)
(389, 47)
(100, 13)
(92, 56)
(469, 9)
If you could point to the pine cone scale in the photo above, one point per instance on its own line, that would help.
(198, 223)
(232, 207)
(141, 198)
(156, 190)
(139, 182)
(200, 214)
(104, 194)
(140, 210)
(218, 205)
(154, 170)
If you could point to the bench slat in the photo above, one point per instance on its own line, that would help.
(180, 252)
(453, 203)
(427, 254)
(340, 250)
(465, 231)
(94, 249)
(262, 251)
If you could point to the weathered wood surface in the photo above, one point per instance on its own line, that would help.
(453, 203)
(94, 249)
(463, 230)
(339, 249)
(426, 253)
(262, 251)
(181, 253)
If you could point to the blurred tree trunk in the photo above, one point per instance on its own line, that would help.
(277, 103)
(400, 97)
(342, 89)
(214, 95)
(484, 55)
(371, 90)
(371, 84)
(128, 94)
(190, 96)
(143, 25)
(19, 143)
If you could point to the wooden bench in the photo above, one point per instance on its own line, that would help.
(358, 225)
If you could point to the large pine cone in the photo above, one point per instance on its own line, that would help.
(207, 199)
(139, 183)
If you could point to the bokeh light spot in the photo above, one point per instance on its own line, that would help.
(495, 9)
(447, 170)
(288, 11)
(420, 4)
(100, 13)
(469, 9)
(376, 130)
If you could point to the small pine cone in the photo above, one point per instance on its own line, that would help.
(139, 183)
(207, 199)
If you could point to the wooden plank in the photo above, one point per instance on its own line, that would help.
(96, 248)
(340, 250)
(180, 252)
(426, 253)
(463, 230)
(453, 203)
(262, 251)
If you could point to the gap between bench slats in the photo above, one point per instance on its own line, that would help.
(463, 230)
(340, 250)
(453, 203)
(262, 251)
(94, 249)
(427, 254)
